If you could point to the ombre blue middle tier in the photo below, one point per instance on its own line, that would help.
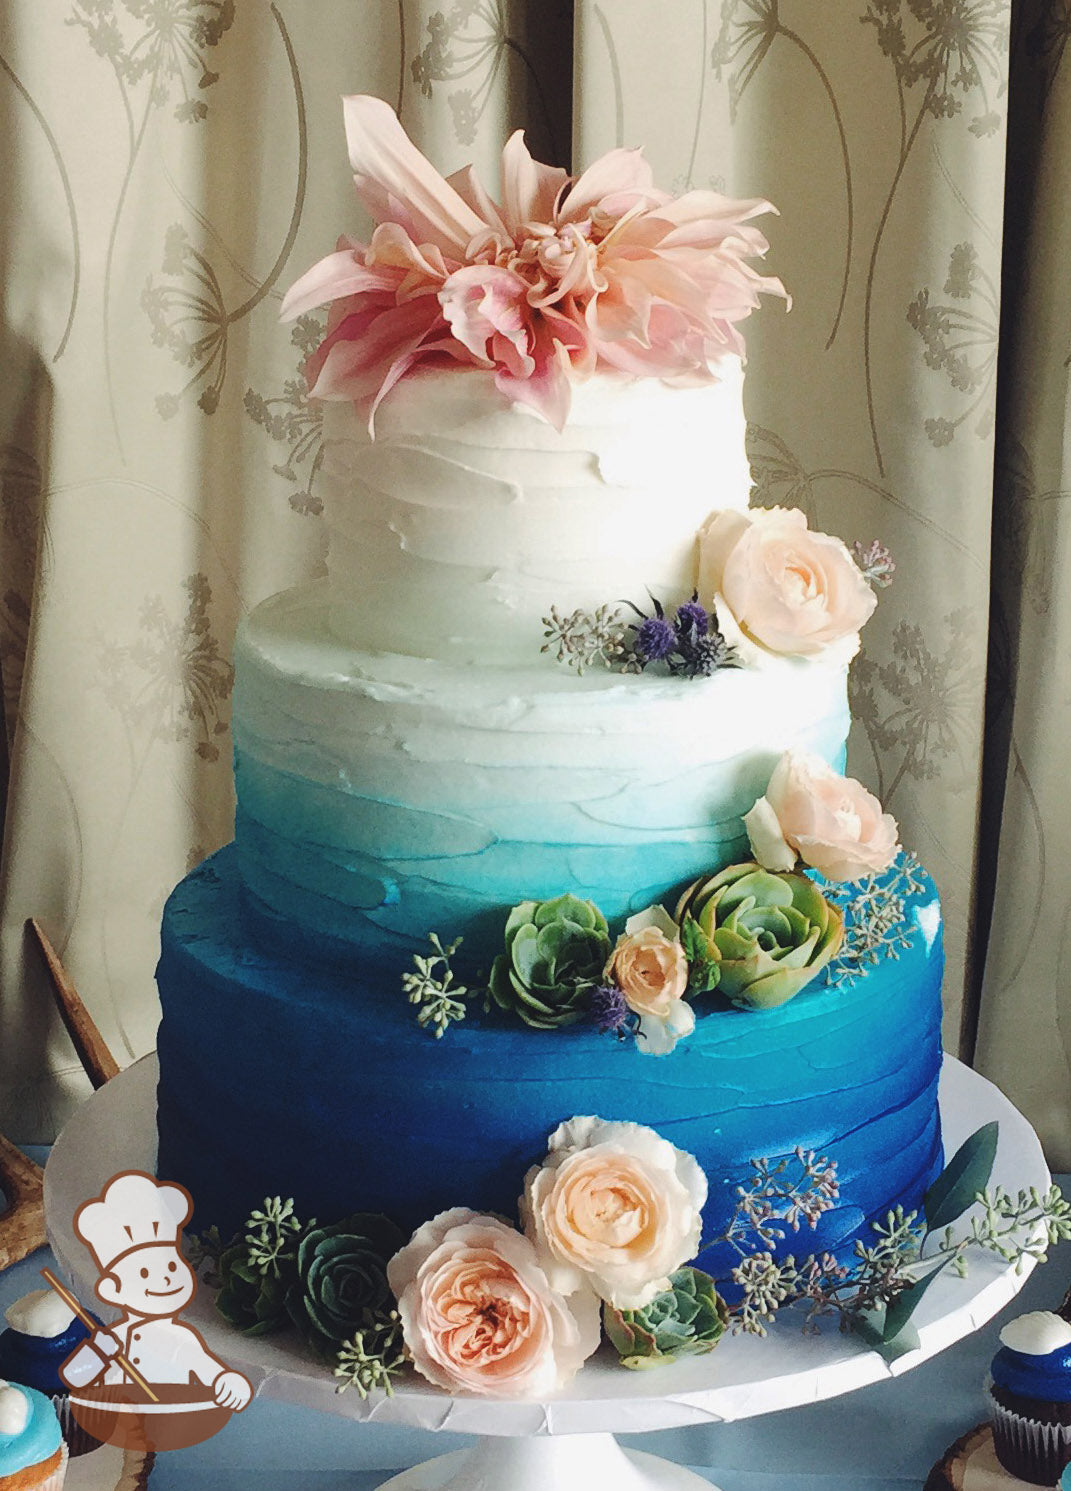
(282, 1077)
(383, 797)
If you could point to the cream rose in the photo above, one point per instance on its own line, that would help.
(648, 965)
(479, 1314)
(614, 1207)
(788, 589)
(831, 822)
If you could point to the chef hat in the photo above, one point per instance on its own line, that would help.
(133, 1211)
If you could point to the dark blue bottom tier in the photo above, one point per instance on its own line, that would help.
(284, 1079)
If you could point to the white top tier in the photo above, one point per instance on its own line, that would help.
(455, 530)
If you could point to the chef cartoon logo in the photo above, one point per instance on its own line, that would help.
(147, 1380)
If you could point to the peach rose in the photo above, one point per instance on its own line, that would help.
(649, 967)
(613, 1207)
(478, 1313)
(831, 822)
(789, 590)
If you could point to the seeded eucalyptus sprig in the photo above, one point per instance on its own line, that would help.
(590, 639)
(372, 1357)
(877, 1294)
(875, 562)
(272, 1235)
(432, 988)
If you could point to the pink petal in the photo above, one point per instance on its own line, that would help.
(712, 206)
(472, 190)
(337, 275)
(352, 360)
(481, 301)
(396, 183)
(529, 189)
(391, 245)
(560, 347)
(547, 390)
(622, 175)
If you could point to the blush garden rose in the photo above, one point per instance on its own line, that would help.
(830, 822)
(789, 590)
(479, 1315)
(648, 965)
(613, 1208)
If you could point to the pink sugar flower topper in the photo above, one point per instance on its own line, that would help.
(563, 276)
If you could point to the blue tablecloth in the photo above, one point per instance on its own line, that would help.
(882, 1438)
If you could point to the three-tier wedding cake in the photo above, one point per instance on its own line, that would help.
(535, 458)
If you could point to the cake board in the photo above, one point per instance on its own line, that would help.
(566, 1443)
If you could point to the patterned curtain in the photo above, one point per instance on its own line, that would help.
(170, 166)
(1024, 1028)
(175, 163)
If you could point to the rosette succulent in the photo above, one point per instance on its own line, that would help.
(555, 954)
(341, 1282)
(769, 934)
(250, 1299)
(686, 1319)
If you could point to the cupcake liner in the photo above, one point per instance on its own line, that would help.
(55, 1481)
(78, 1441)
(1030, 1448)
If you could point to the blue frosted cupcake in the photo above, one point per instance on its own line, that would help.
(42, 1332)
(1029, 1389)
(33, 1456)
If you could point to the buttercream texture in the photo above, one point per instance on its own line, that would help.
(283, 1078)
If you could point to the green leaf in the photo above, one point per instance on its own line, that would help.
(871, 1326)
(959, 1183)
(907, 1339)
(901, 1309)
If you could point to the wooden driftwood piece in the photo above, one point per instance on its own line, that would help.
(99, 1063)
(22, 1223)
(971, 1464)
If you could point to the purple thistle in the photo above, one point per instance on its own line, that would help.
(692, 620)
(655, 639)
(609, 1010)
(701, 655)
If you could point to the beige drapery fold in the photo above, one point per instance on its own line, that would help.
(175, 163)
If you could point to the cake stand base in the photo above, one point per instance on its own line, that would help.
(566, 1462)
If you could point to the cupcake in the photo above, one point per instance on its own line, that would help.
(1029, 1389)
(33, 1456)
(42, 1333)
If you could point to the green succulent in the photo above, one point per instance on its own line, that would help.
(686, 1319)
(251, 1300)
(770, 934)
(341, 1283)
(555, 954)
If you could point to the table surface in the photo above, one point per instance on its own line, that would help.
(880, 1438)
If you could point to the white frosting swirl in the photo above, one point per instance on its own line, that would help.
(40, 1313)
(14, 1409)
(1036, 1333)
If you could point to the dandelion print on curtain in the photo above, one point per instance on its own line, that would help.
(877, 128)
(170, 166)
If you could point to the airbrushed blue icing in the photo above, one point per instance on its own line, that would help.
(279, 1076)
(38, 1441)
(1047, 1376)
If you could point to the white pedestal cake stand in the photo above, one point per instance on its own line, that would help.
(565, 1444)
